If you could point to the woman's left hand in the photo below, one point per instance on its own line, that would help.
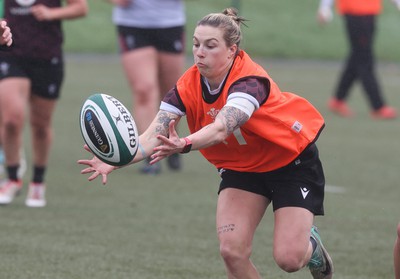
(172, 144)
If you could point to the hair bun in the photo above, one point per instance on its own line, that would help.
(233, 13)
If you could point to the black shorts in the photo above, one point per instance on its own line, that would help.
(163, 39)
(299, 184)
(46, 76)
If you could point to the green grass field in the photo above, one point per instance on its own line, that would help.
(284, 28)
(163, 226)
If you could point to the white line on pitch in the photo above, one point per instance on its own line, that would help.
(334, 189)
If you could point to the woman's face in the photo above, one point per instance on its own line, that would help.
(211, 55)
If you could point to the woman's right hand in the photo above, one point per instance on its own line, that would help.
(324, 16)
(96, 166)
(6, 35)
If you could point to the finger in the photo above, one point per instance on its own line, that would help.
(86, 147)
(158, 149)
(162, 150)
(93, 176)
(172, 130)
(87, 170)
(104, 179)
(164, 139)
(156, 159)
(84, 162)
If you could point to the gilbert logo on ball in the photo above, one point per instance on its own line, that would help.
(109, 129)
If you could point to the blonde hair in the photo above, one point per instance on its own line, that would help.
(229, 22)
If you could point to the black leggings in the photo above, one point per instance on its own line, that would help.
(360, 62)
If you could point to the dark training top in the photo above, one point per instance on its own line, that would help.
(32, 38)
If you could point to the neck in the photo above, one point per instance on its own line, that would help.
(215, 82)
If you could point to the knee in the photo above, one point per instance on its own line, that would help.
(41, 129)
(12, 125)
(289, 261)
(145, 93)
(233, 253)
(40, 132)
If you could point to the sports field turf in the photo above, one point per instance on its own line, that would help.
(163, 226)
(284, 28)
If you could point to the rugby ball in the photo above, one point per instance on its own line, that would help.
(109, 129)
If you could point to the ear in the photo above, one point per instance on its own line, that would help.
(232, 50)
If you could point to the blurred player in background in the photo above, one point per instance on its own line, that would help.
(31, 75)
(261, 140)
(360, 20)
(396, 254)
(151, 42)
(5, 43)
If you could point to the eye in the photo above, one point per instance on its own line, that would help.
(211, 46)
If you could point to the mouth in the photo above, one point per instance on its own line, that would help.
(200, 65)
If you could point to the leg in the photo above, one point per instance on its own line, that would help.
(42, 134)
(238, 215)
(171, 66)
(42, 138)
(292, 246)
(349, 74)
(396, 254)
(295, 246)
(14, 94)
(346, 80)
(364, 41)
(140, 67)
(142, 73)
(337, 104)
(2, 156)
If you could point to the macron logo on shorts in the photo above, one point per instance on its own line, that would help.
(304, 192)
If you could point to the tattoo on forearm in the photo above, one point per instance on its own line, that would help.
(226, 228)
(163, 121)
(234, 118)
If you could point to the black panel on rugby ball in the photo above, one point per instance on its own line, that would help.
(96, 132)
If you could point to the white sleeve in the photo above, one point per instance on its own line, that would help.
(325, 4)
(243, 101)
(325, 10)
(397, 3)
(170, 108)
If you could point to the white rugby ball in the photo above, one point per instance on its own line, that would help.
(109, 129)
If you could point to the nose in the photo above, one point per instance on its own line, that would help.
(199, 51)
